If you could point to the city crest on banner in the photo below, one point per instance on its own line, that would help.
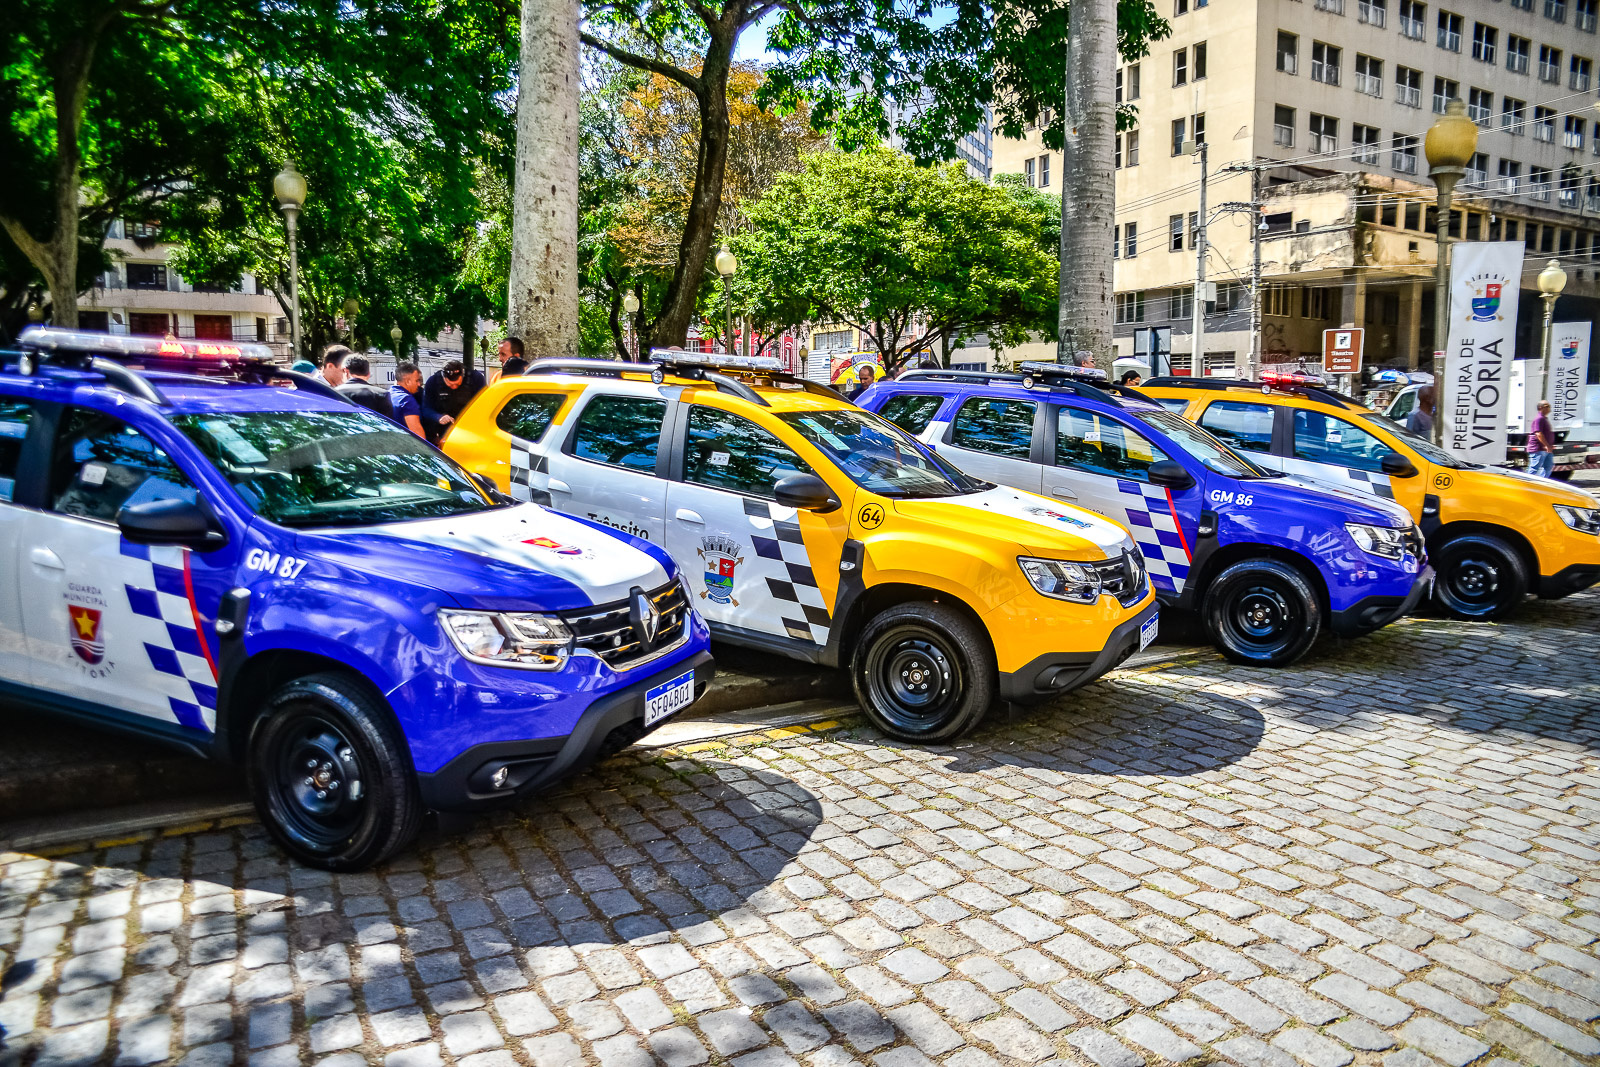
(1475, 401)
(1569, 373)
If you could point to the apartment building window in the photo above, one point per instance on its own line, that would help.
(1180, 304)
(1444, 91)
(1369, 75)
(1571, 182)
(1180, 67)
(147, 276)
(1592, 200)
(1028, 173)
(1480, 104)
(1539, 179)
(1594, 139)
(1484, 39)
(1522, 5)
(1275, 301)
(1510, 175)
(1403, 159)
(1180, 7)
(1044, 171)
(1283, 126)
(1544, 125)
(1572, 133)
(1174, 233)
(1407, 86)
(1412, 18)
(1119, 87)
(1197, 65)
(1130, 308)
(1517, 53)
(1116, 242)
(1130, 240)
(1334, 6)
(1365, 139)
(1555, 10)
(1194, 229)
(1578, 74)
(1373, 12)
(1449, 31)
(1179, 128)
(1549, 64)
(1477, 169)
(1584, 14)
(1116, 151)
(1132, 81)
(1325, 63)
(1288, 53)
(1324, 133)
(1199, 124)
(1132, 154)
(1513, 115)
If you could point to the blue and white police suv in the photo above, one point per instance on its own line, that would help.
(272, 576)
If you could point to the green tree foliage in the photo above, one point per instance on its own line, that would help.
(904, 253)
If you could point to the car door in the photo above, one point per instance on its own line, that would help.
(610, 467)
(1103, 464)
(16, 418)
(108, 621)
(996, 439)
(1336, 451)
(744, 554)
(1247, 427)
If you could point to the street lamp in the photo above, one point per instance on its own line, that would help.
(290, 188)
(352, 308)
(1449, 146)
(1551, 281)
(630, 307)
(395, 333)
(726, 265)
(35, 313)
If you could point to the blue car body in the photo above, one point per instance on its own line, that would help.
(206, 634)
(1186, 534)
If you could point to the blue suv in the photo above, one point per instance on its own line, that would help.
(275, 577)
(1266, 560)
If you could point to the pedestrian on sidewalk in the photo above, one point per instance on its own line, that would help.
(359, 390)
(1420, 421)
(403, 395)
(447, 395)
(1542, 443)
(511, 360)
(333, 358)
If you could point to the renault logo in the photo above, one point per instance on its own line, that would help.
(646, 618)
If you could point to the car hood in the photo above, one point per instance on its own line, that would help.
(1547, 489)
(522, 558)
(1036, 524)
(1294, 490)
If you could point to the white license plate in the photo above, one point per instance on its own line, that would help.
(668, 697)
(1147, 632)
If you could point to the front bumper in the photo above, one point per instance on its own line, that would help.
(1055, 673)
(1568, 580)
(1375, 612)
(610, 724)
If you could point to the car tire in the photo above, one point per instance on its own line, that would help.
(1262, 613)
(924, 672)
(331, 776)
(1478, 576)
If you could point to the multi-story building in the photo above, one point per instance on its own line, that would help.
(1323, 105)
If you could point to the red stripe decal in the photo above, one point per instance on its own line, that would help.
(199, 626)
(1170, 507)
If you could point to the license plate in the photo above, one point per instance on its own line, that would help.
(1147, 632)
(668, 697)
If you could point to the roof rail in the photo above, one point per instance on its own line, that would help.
(683, 365)
(1309, 387)
(957, 376)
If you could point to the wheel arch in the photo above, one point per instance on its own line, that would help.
(1460, 528)
(257, 678)
(876, 599)
(1240, 552)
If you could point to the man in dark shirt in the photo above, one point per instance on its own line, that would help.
(447, 395)
(403, 395)
(511, 361)
(359, 390)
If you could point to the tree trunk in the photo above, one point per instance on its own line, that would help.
(543, 298)
(1088, 184)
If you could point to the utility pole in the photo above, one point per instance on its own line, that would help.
(1197, 365)
(1256, 225)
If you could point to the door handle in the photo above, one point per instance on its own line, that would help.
(558, 486)
(685, 515)
(1062, 492)
(43, 557)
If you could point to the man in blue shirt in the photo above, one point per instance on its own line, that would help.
(403, 395)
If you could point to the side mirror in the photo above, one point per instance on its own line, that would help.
(486, 483)
(805, 492)
(170, 522)
(1170, 474)
(1396, 466)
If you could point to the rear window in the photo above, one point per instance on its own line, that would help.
(998, 427)
(911, 412)
(14, 418)
(1242, 426)
(529, 416)
(620, 431)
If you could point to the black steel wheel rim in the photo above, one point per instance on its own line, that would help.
(318, 782)
(914, 678)
(1472, 581)
(1262, 619)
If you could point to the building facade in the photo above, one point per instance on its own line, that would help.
(1318, 109)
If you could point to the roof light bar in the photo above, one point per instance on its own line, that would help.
(714, 360)
(1036, 372)
(80, 345)
(1287, 382)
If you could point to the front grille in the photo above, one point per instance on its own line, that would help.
(608, 630)
(1124, 577)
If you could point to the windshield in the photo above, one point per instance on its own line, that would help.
(1212, 453)
(1429, 451)
(326, 468)
(879, 456)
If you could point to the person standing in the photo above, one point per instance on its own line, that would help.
(511, 360)
(403, 396)
(357, 369)
(333, 358)
(447, 395)
(864, 381)
(1542, 443)
(1131, 379)
(1420, 421)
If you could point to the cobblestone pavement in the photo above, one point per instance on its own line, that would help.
(1387, 855)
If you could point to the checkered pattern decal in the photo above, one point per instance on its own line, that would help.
(1154, 524)
(164, 621)
(782, 560)
(525, 463)
(1368, 481)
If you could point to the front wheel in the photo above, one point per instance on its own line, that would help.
(329, 775)
(1262, 613)
(1478, 576)
(924, 673)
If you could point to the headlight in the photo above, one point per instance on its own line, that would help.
(1386, 541)
(522, 639)
(1584, 520)
(1063, 579)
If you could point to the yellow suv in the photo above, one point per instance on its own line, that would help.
(814, 529)
(1493, 535)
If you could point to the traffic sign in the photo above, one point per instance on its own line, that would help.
(1341, 350)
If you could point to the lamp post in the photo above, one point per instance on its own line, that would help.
(630, 307)
(352, 308)
(395, 333)
(726, 265)
(1449, 146)
(1551, 281)
(35, 313)
(289, 186)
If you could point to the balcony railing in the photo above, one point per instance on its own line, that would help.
(1372, 14)
(1412, 28)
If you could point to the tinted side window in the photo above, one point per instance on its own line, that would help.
(621, 431)
(726, 451)
(1326, 439)
(1099, 445)
(911, 413)
(15, 415)
(102, 464)
(999, 427)
(1246, 427)
(528, 416)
